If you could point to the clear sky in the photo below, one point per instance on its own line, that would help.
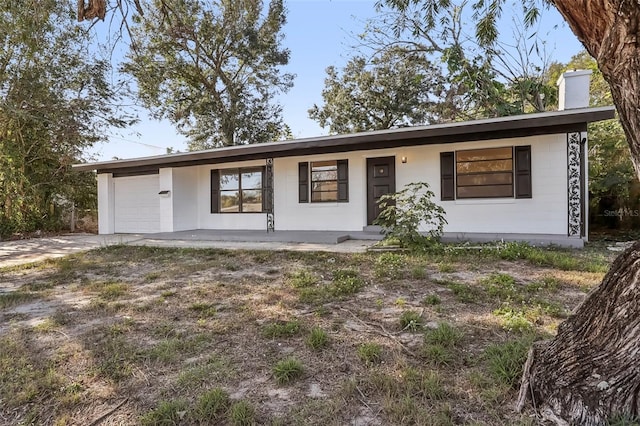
(318, 33)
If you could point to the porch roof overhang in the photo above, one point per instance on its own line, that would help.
(467, 131)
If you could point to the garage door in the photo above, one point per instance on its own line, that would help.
(137, 204)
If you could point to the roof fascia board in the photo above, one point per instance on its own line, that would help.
(503, 127)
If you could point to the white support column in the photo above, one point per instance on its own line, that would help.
(106, 204)
(166, 200)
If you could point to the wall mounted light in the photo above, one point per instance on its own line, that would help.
(404, 160)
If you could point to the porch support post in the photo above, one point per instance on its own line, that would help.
(166, 200)
(576, 184)
(106, 204)
(268, 194)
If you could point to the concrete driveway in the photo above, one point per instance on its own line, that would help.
(20, 252)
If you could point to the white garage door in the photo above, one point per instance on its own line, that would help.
(137, 204)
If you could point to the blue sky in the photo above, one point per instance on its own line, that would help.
(318, 33)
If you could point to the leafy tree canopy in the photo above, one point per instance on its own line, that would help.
(397, 88)
(212, 68)
(55, 101)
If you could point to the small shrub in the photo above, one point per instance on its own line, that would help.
(166, 413)
(410, 320)
(317, 338)
(242, 413)
(446, 335)
(281, 329)
(404, 213)
(287, 370)
(431, 300)
(370, 353)
(212, 405)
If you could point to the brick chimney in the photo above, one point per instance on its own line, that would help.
(573, 88)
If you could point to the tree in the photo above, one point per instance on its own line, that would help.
(212, 68)
(481, 80)
(589, 372)
(55, 101)
(396, 89)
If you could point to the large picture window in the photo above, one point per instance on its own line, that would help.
(237, 190)
(486, 173)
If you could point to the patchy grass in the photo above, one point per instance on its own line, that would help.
(186, 336)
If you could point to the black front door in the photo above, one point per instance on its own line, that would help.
(381, 179)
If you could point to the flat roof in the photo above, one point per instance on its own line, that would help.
(466, 131)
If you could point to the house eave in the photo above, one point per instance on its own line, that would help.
(468, 131)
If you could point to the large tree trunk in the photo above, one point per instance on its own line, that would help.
(590, 371)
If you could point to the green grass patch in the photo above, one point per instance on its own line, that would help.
(410, 321)
(302, 278)
(431, 300)
(505, 360)
(204, 310)
(287, 370)
(445, 335)
(212, 370)
(370, 353)
(280, 329)
(242, 413)
(166, 413)
(390, 265)
(212, 406)
(14, 298)
(317, 339)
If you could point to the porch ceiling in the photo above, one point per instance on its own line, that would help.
(467, 131)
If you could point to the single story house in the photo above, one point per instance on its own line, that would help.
(515, 178)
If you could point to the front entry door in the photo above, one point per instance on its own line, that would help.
(381, 179)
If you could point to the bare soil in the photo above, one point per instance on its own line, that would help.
(109, 336)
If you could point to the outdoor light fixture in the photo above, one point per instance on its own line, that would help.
(404, 160)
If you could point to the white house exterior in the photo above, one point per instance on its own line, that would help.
(519, 178)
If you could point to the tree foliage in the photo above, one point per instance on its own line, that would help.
(212, 68)
(395, 89)
(55, 101)
(482, 79)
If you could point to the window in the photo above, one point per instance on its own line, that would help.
(326, 181)
(486, 173)
(237, 190)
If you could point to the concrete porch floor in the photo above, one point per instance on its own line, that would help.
(309, 237)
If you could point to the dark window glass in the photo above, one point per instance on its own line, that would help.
(484, 173)
(241, 190)
(324, 181)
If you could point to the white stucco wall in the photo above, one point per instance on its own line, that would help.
(188, 206)
(185, 198)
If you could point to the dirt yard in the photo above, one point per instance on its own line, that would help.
(137, 335)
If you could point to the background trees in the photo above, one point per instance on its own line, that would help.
(395, 89)
(55, 100)
(212, 68)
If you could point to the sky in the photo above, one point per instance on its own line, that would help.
(319, 33)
